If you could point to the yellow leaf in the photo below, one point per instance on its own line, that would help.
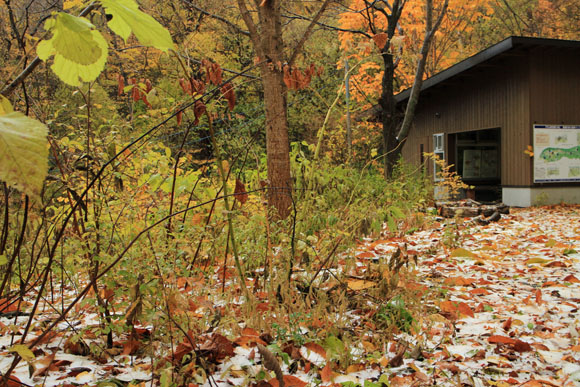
(23, 351)
(360, 284)
(537, 260)
(551, 243)
(460, 252)
(68, 4)
(5, 106)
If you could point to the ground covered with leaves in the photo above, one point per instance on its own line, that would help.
(452, 303)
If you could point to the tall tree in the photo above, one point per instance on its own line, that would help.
(267, 39)
(382, 18)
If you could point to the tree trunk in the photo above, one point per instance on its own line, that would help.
(266, 37)
(389, 115)
(277, 142)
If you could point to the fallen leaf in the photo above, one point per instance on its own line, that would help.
(571, 278)
(507, 324)
(326, 373)
(289, 381)
(496, 339)
(45, 364)
(360, 284)
(461, 252)
(317, 348)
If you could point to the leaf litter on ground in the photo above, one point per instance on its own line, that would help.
(506, 314)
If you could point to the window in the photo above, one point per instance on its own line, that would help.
(439, 151)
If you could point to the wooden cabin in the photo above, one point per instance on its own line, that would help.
(483, 113)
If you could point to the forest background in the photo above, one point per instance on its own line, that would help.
(157, 168)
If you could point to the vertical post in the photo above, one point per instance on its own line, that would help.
(347, 96)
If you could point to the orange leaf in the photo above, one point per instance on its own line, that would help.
(365, 254)
(326, 373)
(289, 381)
(316, 348)
(6, 306)
(539, 300)
(458, 281)
(250, 332)
(479, 292)
(130, 347)
(496, 339)
(249, 341)
(381, 40)
(572, 279)
(465, 309)
(454, 307)
(13, 381)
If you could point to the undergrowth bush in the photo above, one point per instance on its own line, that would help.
(123, 258)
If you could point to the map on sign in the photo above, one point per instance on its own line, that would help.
(557, 153)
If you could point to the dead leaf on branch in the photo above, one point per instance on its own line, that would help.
(240, 192)
(381, 40)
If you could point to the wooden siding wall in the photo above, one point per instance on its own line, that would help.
(555, 92)
(492, 95)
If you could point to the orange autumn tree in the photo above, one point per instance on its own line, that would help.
(412, 40)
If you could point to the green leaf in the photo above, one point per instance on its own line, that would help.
(127, 18)
(23, 152)
(391, 224)
(80, 51)
(397, 213)
(3, 259)
(334, 347)
(23, 351)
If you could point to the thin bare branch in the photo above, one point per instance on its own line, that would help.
(216, 17)
(308, 32)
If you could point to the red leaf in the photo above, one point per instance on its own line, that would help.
(522, 346)
(539, 300)
(197, 86)
(219, 347)
(144, 99)
(507, 324)
(571, 278)
(136, 93)
(229, 95)
(120, 85)
(198, 110)
(240, 192)
(179, 117)
(186, 86)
